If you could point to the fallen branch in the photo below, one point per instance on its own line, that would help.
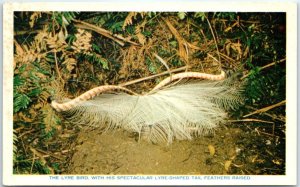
(250, 120)
(266, 108)
(117, 38)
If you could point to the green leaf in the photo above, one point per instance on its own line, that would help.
(181, 15)
(147, 33)
(35, 92)
(96, 48)
(200, 15)
(151, 66)
(117, 27)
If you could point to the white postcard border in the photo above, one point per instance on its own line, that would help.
(291, 105)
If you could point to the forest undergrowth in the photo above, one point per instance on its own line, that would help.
(63, 54)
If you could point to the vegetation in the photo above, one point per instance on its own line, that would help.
(63, 54)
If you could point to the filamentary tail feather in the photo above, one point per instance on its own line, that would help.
(175, 112)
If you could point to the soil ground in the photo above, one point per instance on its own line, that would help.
(230, 150)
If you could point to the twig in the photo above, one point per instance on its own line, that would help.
(24, 148)
(56, 65)
(244, 21)
(265, 133)
(19, 128)
(47, 155)
(26, 132)
(55, 56)
(212, 57)
(213, 34)
(251, 120)
(153, 76)
(17, 33)
(44, 152)
(205, 39)
(35, 153)
(266, 66)
(266, 108)
(273, 63)
(227, 57)
(267, 114)
(32, 163)
(164, 63)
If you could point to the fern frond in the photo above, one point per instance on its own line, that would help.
(138, 32)
(83, 41)
(21, 101)
(50, 119)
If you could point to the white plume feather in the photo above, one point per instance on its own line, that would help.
(175, 112)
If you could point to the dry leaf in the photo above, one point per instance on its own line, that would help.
(231, 27)
(23, 117)
(41, 76)
(212, 150)
(277, 162)
(19, 50)
(129, 18)
(228, 49)
(61, 36)
(183, 53)
(33, 18)
(246, 51)
(227, 165)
